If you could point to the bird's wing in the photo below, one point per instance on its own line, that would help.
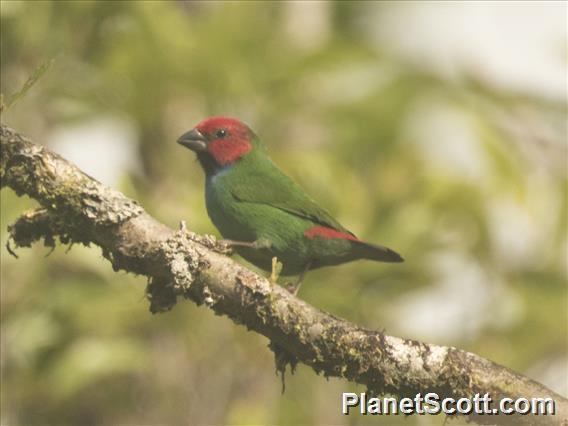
(279, 191)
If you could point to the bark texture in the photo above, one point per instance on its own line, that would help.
(76, 208)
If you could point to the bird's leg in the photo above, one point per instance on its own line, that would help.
(261, 243)
(294, 289)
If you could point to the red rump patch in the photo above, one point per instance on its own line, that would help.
(328, 234)
(235, 143)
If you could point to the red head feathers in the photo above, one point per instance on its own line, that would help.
(228, 139)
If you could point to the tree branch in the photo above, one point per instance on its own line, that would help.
(78, 209)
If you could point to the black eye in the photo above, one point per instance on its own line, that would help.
(221, 133)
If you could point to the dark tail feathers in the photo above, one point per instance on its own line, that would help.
(377, 252)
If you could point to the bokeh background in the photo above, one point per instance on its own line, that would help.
(438, 129)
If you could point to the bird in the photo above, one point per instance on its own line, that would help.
(261, 212)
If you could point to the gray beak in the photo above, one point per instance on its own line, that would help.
(193, 140)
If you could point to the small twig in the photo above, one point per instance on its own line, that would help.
(29, 83)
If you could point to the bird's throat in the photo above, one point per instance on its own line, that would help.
(208, 164)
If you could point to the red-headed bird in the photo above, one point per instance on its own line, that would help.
(261, 211)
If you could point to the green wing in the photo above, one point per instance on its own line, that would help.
(272, 187)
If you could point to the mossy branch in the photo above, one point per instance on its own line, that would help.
(78, 209)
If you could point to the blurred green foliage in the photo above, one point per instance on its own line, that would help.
(484, 239)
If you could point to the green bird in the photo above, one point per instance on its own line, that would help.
(263, 213)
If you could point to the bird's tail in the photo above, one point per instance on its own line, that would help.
(376, 252)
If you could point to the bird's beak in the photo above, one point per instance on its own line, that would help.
(193, 140)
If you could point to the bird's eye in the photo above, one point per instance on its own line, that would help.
(221, 133)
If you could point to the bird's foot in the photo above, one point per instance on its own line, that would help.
(291, 287)
(208, 241)
(222, 247)
(294, 288)
(276, 269)
(214, 244)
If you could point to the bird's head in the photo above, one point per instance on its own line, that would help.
(219, 141)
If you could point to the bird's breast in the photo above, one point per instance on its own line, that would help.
(227, 214)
